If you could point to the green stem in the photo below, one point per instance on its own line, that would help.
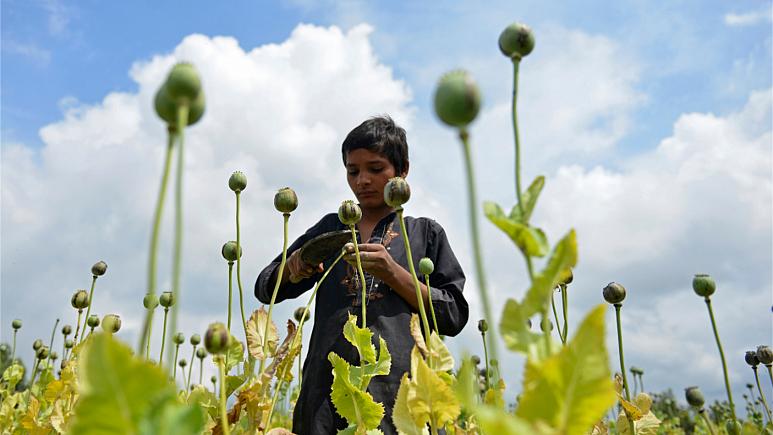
(641, 382)
(34, 371)
(702, 412)
(150, 330)
(174, 365)
(722, 357)
(51, 343)
(190, 370)
(230, 292)
(145, 335)
(412, 269)
(223, 416)
(91, 298)
(555, 315)
(13, 352)
(480, 273)
(565, 308)
(516, 64)
(762, 395)
(201, 370)
(239, 265)
(362, 275)
(163, 339)
(281, 378)
(485, 356)
(182, 121)
(770, 372)
(78, 328)
(431, 308)
(620, 351)
(276, 287)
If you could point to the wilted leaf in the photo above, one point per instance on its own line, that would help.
(353, 404)
(256, 333)
(286, 354)
(235, 354)
(401, 413)
(417, 335)
(361, 338)
(648, 424)
(571, 390)
(441, 360)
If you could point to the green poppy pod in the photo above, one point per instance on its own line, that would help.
(53, 356)
(349, 213)
(237, 181)
(298, 314)
(614, 293)
(694, 397)
(482, 325)
(178, 338)
(751, 358)
(397, 192)
(4, 350)
(229, 251)
(733, 427)
(16, 323)
(213, 379)
(42, 352)
(217, 338)
(99, 268)
(285, 200)
(195, 339)
(197, 109)
(164, 105)
(66, 330)
(63, 364)
(457, 99)
(516, 41)
(111, 323)
(475, 359)
(150, 302)
(37, 344)
(182, 363)
(68, 344)
(545, 325)
(765, 354)
(80, 299)
(426, 266)
(183, 83)
(166, 299)
(201, 353)
(93, 321)
(703, 285)
(567, 277)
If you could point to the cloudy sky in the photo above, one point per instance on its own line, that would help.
(651, 123)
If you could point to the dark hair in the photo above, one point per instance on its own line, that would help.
(379, 134)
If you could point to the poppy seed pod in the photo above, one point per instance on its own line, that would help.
(201, 353)
(545, 325)
(217, 338)
(298, 314)
(237, 181)
(567, 277)
(213, 379)
(92, 321)
(182, 363)
(66, 330)
(349, 213)
(4, 349)
(178, 338)
(765, 354)
(63, 365)
(16, 323)
(42, 353)
(111, 323)
(68, 344)
(397, 192)
(694, 397)
(751, 358)
(166, 108)
(166, 299)
(80, 299)
(614, 293)
(229, 251)
(197, 108)
(54, 356)
(285, 200)
(99, 268)
(37, 344)
(733, 427)
(183, 82)
(150, 302)
(426, 266)
(516, 41)
(457, 99)
(482, 325)
(703, 285)
(475, 359)
(195, 339)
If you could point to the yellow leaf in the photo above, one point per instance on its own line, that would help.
(401, 413)
(442, 360)
(418, 337)
(431, 399)
(256, 333)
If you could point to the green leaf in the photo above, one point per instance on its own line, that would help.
(235, 354)
(529, 199)
(466, 387)
(431, 399)
(256, 333)
(401, 413)
(173, 420)
(12, 376)
(234, 382)
(571, 390)
(564, 256)
(362, 339)
(518, 337)
(122, 394)
(495, 396)
(353, 404)
(648, 424)
(498, 421)
(441, 360)
(531, 241)
(205, 399)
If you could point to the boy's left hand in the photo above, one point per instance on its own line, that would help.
(375, 259)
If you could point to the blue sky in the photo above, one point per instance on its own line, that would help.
(652, 123)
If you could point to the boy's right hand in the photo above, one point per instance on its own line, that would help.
(299, 270)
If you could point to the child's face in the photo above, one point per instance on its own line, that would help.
(367, 173)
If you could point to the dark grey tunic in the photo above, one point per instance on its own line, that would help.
(388, 315)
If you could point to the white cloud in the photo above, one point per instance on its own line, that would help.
(31, 51)
(747, 18)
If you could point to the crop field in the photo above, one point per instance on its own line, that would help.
(86, 378)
